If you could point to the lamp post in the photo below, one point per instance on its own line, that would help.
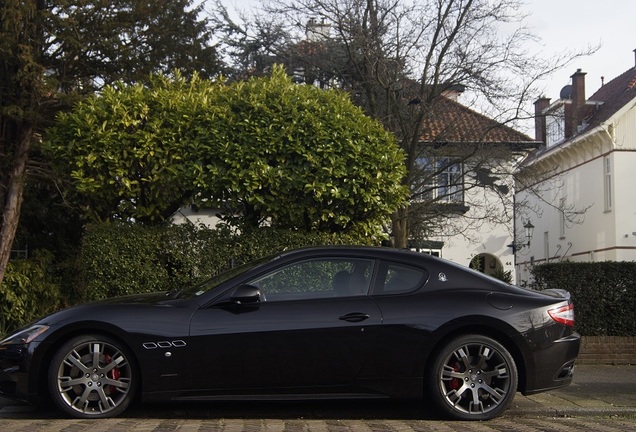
(529, 230)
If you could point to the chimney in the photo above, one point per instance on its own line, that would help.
(540, 106)
(317, 31)
(574, 111)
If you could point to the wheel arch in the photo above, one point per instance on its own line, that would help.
(81, 329)
(485, 326)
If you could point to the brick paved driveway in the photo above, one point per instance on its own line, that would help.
(307, 417)
(601, 398)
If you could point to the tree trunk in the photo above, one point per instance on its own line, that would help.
(401, 228)
(13, 197)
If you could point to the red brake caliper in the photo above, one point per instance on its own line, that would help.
(114, 373)
(455, 382)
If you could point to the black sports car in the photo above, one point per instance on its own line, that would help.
(327, 322)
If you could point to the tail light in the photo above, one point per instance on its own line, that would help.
(563, 315)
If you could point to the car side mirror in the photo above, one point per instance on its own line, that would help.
(246, 294)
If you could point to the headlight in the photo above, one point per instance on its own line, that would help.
(24, 336)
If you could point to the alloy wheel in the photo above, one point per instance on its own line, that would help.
(91, 378)
(476, 378)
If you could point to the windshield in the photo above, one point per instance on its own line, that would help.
(210, 284)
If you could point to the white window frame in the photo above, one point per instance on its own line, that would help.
(607, 183)
(562, 218)
(555, 127)
(448, 186)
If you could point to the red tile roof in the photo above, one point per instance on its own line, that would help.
(449, 121)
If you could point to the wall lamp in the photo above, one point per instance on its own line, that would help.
(529, 229)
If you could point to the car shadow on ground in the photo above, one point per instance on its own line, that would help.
(283, 410)
(287, 410)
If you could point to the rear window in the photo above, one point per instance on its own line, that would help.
(400, 278)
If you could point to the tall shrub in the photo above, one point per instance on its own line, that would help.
(27, 292)
(274, 153)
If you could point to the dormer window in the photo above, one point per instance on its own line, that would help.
(555, 126)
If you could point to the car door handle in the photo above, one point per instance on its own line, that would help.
(354, 317)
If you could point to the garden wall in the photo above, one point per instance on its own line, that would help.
(615, 350)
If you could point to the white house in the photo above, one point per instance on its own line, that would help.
(207, 216)
(480, 233)
(580, 188)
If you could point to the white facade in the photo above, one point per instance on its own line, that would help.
(207, 217)
(583, 200)
(479, 234)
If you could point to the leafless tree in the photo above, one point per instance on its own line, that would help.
(397, 58)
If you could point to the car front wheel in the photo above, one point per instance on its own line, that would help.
(473, 377)
(92, 377)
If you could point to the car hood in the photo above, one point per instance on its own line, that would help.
(158, 298)
(82, 311)
(119, 312)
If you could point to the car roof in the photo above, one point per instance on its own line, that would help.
(431, 263)
(376, 251)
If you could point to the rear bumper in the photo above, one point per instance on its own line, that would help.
(553, 366)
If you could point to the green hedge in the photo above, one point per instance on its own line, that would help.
(27, 292)
(121, 259)
(604, 294)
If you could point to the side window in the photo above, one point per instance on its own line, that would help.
(317, 278)
(400, 278)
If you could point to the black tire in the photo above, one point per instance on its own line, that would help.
(473, 377)
(92, 376)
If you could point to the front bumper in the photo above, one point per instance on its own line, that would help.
(14, 380)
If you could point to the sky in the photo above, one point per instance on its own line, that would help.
(573, 25)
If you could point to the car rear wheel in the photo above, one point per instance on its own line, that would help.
(92, 377)
(474, 377)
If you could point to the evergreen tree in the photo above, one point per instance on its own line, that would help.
(53, 52)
